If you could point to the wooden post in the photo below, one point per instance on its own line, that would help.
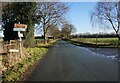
(20, 39)
(96, 39)
(20, 27)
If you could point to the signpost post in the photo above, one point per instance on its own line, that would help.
(20, 27)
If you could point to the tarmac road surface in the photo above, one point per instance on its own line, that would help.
(67, 62)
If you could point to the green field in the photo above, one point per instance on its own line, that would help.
(93, 42)
(113, 41)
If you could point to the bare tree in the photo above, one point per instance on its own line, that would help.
(67, 30)
(54, 31)
(52, 13)
(107, 15)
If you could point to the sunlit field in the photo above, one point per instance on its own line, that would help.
(112, 41)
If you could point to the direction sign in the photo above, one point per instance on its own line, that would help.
(13, 50)
(19, 29)
(20, 25)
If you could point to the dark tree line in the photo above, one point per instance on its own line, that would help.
(23, 12)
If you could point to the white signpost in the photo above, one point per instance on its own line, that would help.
(13, 50)
(20, 27)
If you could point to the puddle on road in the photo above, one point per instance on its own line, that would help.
(106, 52)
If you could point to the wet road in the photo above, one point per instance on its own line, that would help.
(66, 62)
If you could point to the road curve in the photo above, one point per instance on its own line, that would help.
(66, 62)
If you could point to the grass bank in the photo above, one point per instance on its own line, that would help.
(33, 55)
(93, 42)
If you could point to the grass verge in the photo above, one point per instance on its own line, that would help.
(33, 55)
(13, 73)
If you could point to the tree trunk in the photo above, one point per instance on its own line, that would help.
(119, 38)
(29, 37)
(45, 38)
(45, 34)
(54, 38)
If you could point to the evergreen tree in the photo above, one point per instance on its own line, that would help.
(23, 12)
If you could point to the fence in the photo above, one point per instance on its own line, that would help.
(11, 53)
